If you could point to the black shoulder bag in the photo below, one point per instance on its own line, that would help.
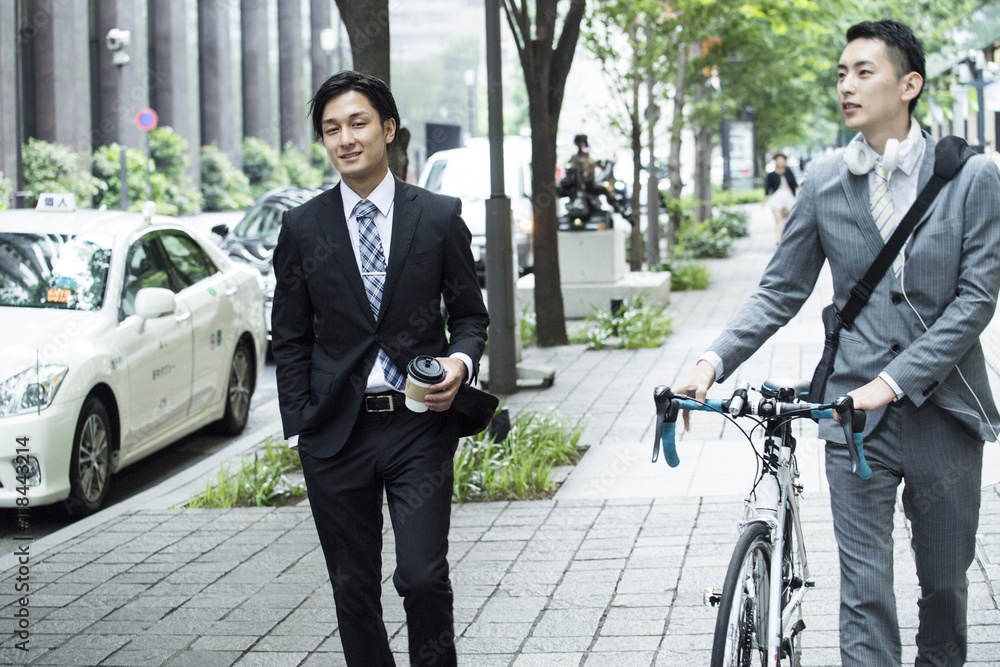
(949, 157)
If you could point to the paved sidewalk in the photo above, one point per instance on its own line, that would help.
(609, 572)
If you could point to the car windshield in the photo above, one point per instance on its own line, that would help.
(54, 270)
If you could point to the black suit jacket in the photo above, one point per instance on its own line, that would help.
(324, 336)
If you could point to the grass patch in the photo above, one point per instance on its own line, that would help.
(259, 481)
(636, 325)
(520, 467)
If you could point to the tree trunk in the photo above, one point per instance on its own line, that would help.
(703, 161)
(367, 23)
(545, 71)
(550, 314)
(674, 161)
(635, 239)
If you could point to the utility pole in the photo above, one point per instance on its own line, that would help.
(117, 41)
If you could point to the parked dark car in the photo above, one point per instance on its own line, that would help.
(253, 239)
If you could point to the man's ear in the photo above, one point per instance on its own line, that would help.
(912, 84)
(389, 126)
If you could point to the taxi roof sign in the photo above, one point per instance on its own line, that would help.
(56, 201)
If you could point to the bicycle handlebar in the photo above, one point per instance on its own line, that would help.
(669, 405)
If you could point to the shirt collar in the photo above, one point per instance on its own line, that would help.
(382, 196)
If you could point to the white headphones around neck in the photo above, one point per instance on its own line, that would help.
(860, 158)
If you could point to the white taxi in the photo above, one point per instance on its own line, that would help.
(119, 334)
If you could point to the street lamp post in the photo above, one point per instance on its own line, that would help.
(117, 40)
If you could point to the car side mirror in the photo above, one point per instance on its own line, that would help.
(153, 302)
(221, 230)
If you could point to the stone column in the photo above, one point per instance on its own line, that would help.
(60, 104)
(173, 73)
(128, 15)
(292, 98)
(10, 131)
(260, 118)
(221, 99)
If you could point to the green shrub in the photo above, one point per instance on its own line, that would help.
(687, 275)
(6, 191)
(635, 325)
(262, 166)
(733, 221)
(520, 467)
(106, 165)
(529, 327)
(171, 183)
(299, 168)
(260, 481)
(50, 167)
(728, 198)
(223, 186)
(701, 240)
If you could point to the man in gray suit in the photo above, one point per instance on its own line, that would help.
(912, 359)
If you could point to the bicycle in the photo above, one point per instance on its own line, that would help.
(761, 594)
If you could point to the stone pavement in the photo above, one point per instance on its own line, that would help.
(609, 572)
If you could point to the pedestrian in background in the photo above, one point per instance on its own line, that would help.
(780, 188)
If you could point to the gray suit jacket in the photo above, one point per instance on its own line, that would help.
(952, 274)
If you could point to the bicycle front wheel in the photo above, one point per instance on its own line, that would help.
(741, 627)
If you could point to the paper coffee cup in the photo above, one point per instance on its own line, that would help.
(421, 373)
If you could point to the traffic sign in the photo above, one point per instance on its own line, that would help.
(146, 119)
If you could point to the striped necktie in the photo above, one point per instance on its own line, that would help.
(883, 211)
(373, 275)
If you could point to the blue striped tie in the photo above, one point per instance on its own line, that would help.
(373, 275)
(883, 211)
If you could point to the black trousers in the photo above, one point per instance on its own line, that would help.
(410, 456)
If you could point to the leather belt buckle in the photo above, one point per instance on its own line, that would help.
(377, 403)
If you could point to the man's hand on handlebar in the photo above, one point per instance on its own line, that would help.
(872, 396)
(696, 385)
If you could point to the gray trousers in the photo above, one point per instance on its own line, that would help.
(940, 465)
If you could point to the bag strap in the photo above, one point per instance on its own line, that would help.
(950, 156)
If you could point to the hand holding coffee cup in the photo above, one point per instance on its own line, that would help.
(421, 373)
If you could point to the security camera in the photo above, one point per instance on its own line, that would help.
(118, 39)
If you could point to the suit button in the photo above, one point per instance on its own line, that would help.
(897, 299)
(378, 338)
(895, 349)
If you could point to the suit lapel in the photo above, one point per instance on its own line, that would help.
(405, 215)
(926, 171)
(334, 224)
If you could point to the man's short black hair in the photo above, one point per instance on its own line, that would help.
(905, 50)
(372, 87)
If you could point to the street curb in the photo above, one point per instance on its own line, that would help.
(176, 489)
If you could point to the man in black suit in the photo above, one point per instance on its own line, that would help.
(362, 271)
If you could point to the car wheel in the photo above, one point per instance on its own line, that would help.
(239, 390)
(90, 465)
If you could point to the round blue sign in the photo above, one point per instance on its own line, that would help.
(146, 119)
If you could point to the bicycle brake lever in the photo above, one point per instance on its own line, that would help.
(853, 423)
(666, 418)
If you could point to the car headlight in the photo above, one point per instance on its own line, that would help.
(526, 225)
(30, 390)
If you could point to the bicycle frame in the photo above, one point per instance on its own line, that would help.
(772, 501)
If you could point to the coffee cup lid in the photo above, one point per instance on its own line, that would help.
(426, 369)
